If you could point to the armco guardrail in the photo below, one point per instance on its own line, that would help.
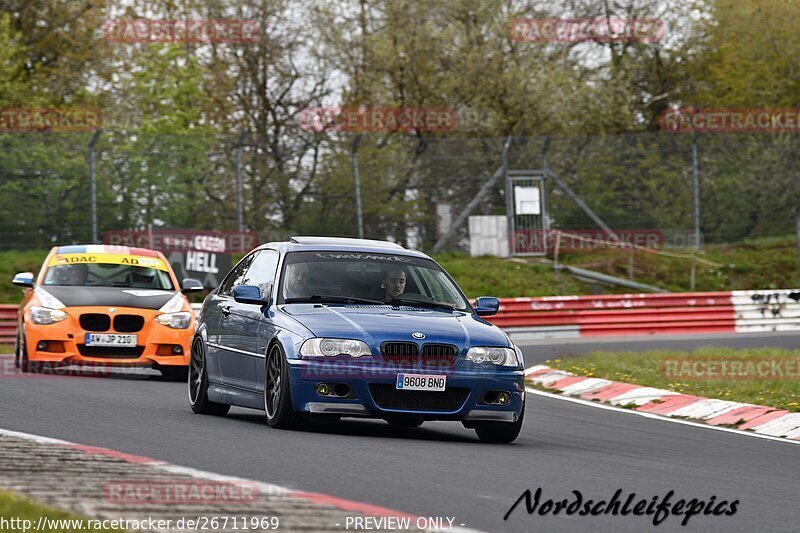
(649, 314)
(618, 314)
(8, 323)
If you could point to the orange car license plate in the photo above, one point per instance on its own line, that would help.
(110, 339)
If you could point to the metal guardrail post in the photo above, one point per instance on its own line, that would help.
(695, 194)
(239, 201)
(357, 178)
(93, 185)
(797, 224)
(487, 186)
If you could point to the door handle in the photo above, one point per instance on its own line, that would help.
(226, 309)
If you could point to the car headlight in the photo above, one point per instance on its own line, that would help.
(497, 356)
(334, 347)
(44, 315)
(175, 320)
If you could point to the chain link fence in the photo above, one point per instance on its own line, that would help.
(411, 188)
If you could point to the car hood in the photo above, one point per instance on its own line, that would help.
(377, 324)
(113, 296)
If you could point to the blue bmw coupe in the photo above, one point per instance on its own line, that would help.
(326, 328)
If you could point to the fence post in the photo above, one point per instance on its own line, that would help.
(556, 250)
(797, 224)
(239, 201)
(485, 189)
(695, 193)
(630, 263)
(357, 179)
(93, 186)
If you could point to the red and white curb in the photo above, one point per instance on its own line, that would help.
(747, 418)
(322, 500)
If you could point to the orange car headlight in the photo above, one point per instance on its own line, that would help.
(44, 315)
(175, 320)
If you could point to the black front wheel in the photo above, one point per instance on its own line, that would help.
(198, 384)
(500, 432)
(175, 373)
(24, 363)
(17, 346)
(277, 395)
(405, 421)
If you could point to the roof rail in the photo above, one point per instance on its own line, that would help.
(343, 241)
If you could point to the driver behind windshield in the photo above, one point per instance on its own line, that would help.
(71, 275)
(296, 285)
(394, 283)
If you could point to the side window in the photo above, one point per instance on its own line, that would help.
(236, 276)
(262, 271)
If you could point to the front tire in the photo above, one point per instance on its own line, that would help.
(198, 384)
(16, 352)
(24, 363)
(277, 393)
(175, 373)
(500, 432)
(405, 421)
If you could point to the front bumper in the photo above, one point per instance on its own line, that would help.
(67, 336)
(363, 401)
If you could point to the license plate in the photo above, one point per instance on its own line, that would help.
(428, 382)
(110, 339)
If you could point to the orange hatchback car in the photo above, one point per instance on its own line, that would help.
(105, 305)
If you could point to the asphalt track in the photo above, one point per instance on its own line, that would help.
(437, 470)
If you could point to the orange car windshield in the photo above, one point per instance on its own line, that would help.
(108, 275)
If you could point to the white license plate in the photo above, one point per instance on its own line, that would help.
(429, 382)
(110, 339)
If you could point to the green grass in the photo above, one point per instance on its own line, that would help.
(765, 263)
(13, 261)
(493, 276)
(644, 369)
(13, 506)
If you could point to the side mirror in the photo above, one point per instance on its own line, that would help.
(487, 306)
(250, 294)
(191, 285)
(23, 279)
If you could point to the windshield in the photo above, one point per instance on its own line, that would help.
(108, 275)
(366, 277)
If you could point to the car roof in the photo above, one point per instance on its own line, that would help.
(338, 244)
(104, 249)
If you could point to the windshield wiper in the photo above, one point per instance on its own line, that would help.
(421, 303)
(320, 298)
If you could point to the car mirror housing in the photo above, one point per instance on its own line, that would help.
(487, 306)
(191, 285)
(23, 279)
(250, 294)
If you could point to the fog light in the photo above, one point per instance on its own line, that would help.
(503, 398)
(323, 389)
(169, 350)
(51, 346)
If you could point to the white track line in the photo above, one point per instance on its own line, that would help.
(657, 417)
